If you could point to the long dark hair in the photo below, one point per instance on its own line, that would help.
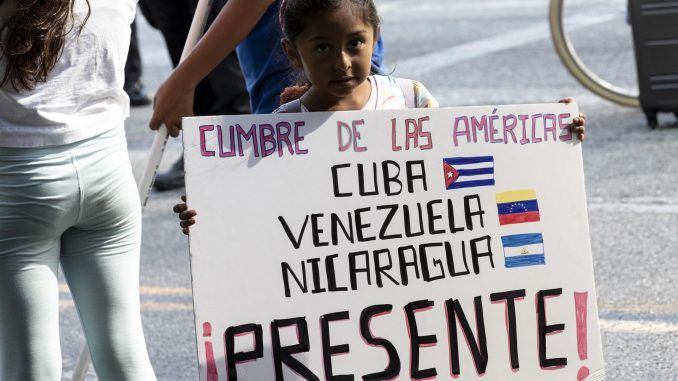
(35, 35)
(294, 15)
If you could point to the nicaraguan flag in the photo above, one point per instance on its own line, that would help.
(517, 206)
(523, 250)
(465, 172)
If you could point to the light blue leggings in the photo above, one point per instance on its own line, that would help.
(76, 204)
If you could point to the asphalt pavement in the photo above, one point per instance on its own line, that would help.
(468, 52)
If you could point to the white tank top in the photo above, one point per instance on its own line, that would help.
(83, 94)
(388, 93)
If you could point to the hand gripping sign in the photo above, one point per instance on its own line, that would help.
(397, 244)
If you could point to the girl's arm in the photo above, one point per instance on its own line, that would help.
(422, 98)
(174, 98)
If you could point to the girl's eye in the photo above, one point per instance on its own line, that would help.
(357, 43)
(322, 48)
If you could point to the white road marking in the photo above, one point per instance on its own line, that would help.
(662, 205)
(427, 63)
(67, 304)
(148, 291)
(606, 325)
(453, 6)
(637, 326)
(647, 308)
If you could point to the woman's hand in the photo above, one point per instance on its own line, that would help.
(185, 215)
(578, 125)
(173, 101)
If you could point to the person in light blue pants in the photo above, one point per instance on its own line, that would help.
(67, 193)
(77, 205)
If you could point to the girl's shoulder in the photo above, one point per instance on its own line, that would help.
(388, 93)
(414, 94)
(289, 107)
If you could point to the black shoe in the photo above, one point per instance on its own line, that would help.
(137, 95)
(172, 179)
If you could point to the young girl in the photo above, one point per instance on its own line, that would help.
(331, 42)
(67, 193)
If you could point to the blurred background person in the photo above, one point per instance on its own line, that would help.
(252, 28)
(134, 87)
(221, 92)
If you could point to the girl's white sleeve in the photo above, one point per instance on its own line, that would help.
(422, 98)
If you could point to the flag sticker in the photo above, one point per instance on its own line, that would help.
(517, 207)
(523, 250)
(466, 172)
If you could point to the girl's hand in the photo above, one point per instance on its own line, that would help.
(185, 215)
(173, 101)
(578, 125)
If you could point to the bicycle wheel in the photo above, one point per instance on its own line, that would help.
(595, 43)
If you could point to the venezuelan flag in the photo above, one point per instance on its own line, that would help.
(517, 206)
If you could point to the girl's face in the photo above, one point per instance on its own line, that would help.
(335, 52)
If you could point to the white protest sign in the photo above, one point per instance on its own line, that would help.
(398, 244)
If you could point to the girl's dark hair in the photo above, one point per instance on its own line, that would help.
(295, 13)
(293, 18)
(291, 93)
(33, 38)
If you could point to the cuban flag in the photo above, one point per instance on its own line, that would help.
(517, 206)
(523, 250)
(465, 172)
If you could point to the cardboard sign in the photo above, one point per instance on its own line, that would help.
(418, 244)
